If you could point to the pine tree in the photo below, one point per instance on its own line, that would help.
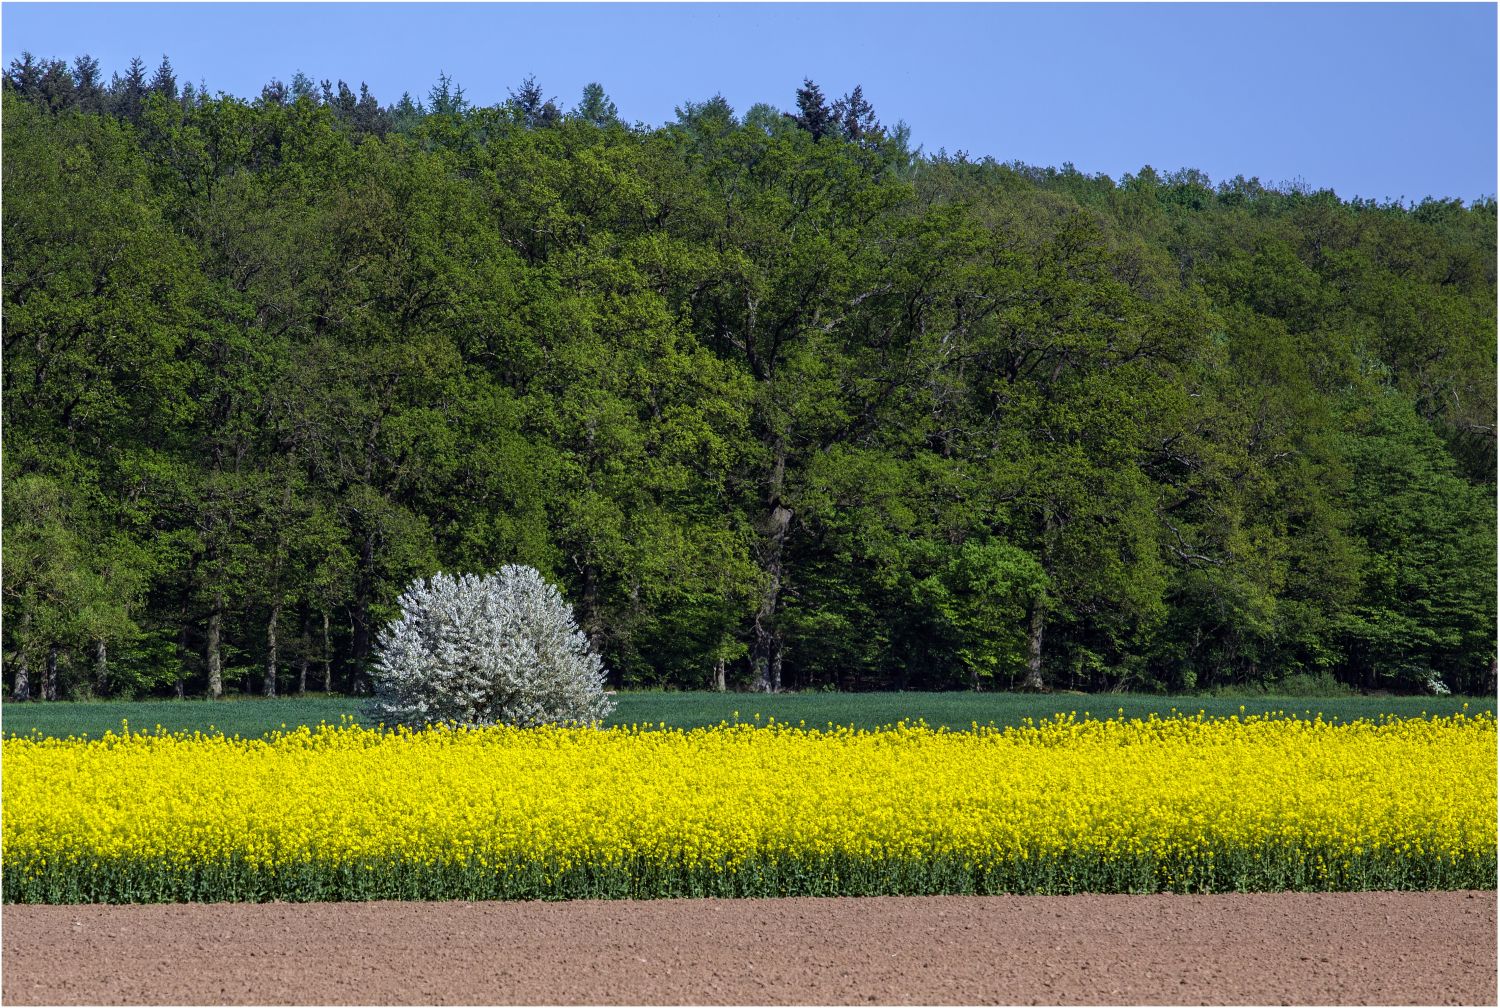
(405, 114)
(345, 105)
(595, 106)
(128, 94)
(368, 116)
(813, 113)
(47, 82)
(531, 107)
(165, 81)
(856, 119)
(88, 84)
(56, 91)
(24, 76)
(446, 98)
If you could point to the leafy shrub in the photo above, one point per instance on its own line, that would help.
(1311, 684)
(471, 650)
(1297, 684)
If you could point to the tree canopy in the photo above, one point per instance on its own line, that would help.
(777, 401)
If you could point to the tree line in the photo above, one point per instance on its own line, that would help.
(778, 401)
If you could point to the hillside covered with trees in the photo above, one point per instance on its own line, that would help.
(776, 400)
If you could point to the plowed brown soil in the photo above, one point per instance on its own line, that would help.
(1277, 948)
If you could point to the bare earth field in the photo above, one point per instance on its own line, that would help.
(1275, 948)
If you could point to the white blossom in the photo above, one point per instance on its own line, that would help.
(471, 650)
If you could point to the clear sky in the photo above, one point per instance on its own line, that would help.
(1374, 100)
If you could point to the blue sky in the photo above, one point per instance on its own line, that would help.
(1374, 100)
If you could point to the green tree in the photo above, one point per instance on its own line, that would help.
(813, 113)
(1426, 609)
(595, 107)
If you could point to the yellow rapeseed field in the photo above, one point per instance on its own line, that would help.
(1185, 804)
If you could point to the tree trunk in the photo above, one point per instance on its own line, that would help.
(588, 605)
(363, 590)
(49, 677)
(1033, 681)
(302, 653)
(215, 659)
(179, 687)
(271, 651)
(22, 688)
(101, 668)
(766, 648)
(327, 657)
(720, 682)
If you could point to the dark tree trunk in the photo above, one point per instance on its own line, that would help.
(302, 654)
(22, 688)
(101, 668)
(272, 655)
(363, 589)
(720, 680)
(588, 606)
(211, 651)
(765, 650)
(273, 652)
(179, 686)
(1033, 681)
(327, 657)
(49, 676)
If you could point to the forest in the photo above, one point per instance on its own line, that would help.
(778, 401)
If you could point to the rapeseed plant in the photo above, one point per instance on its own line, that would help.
(1064, 805)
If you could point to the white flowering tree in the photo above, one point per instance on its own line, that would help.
(471, 650)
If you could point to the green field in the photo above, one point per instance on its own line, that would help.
(252, 717)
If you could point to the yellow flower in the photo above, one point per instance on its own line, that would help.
(1179, 801)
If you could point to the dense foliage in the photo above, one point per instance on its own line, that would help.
(778, 401)
(1178, 805)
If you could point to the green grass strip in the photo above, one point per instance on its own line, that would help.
(1285, 868)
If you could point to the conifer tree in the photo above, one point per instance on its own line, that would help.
(595, 107)
(813, 113)
(164, 83)
(856, 119)
(128, 94)
(88, 84)
(531, 106)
